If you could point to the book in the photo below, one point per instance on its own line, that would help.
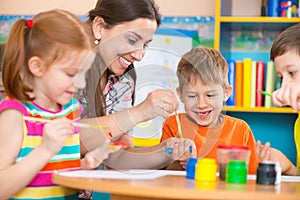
(270, 82)
(247, 71)
(238, 83)
(260, 81)
(231, 80)
(253, 84)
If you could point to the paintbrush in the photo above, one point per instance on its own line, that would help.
(264, 93)
(78, 124)
(176, 114)
(178, 124)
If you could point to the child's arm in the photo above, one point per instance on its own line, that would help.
(14, 177)
(265, 152)
(154, 157)
(95, 157)
(287, 167)
(287, 94)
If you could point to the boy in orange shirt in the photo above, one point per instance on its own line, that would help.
(203, 88)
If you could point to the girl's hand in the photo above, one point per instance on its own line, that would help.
(287, 94)
(55, 133)
(180, 149)
(95, 157)
(161, 102)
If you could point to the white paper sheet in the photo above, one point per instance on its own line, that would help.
(283, 178)
(130, 174)
(144, 174)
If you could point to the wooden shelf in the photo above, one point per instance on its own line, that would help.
(267, 124)
(260, 19)
(258, 109)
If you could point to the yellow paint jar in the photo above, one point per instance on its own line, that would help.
(206, 169)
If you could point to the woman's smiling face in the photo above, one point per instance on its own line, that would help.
(125, 43)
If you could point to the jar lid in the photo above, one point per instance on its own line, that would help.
(207, 161)
(221, 146)
(192, 160)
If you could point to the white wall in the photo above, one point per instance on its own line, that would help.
(167, 7)
(34, 6)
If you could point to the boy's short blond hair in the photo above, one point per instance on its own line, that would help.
(202, 64)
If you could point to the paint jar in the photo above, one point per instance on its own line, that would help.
(236, 172)
(226, 153)
(190, 168)
(288, 8)
(206, 169)
(268, 173)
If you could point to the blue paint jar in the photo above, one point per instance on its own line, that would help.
(190, 168)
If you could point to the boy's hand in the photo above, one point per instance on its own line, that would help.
(180, 149)
(263, 151)
(287, 94)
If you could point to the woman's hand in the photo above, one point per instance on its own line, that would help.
(287, 94)
(95, 157)
(161, 102)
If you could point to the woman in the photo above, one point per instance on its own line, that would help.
(122, 32)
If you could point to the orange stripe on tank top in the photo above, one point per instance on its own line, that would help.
(62, 165)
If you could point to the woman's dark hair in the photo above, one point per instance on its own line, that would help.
(113, 12)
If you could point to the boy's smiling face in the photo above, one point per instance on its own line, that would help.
(203, 103)
(288, 67)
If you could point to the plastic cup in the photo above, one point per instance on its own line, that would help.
(226, 153)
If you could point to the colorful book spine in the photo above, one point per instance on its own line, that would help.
(239, 83)
(270, 83)
(260, 80)
(247, 82)
(253, 84)
(231, 80)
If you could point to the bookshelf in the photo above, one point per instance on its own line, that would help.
(268, 124)
(258, 109)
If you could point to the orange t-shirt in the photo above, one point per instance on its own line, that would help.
(231, 131)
